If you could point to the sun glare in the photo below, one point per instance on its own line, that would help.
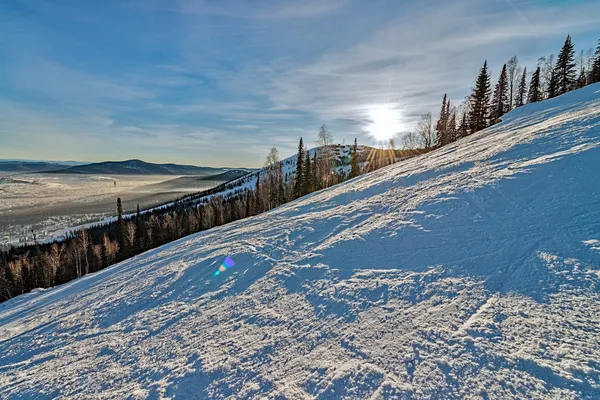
(385, 123)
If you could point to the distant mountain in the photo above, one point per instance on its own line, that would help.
(24, 166)
(139, 167)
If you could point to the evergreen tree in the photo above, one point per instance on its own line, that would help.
(281, 188)
(140, 230)
(307, 180)
(121, 227)
(534, 95)
(463, 129)
(553, 85)
(299, 185)
(500, 103)
(258, 203)
(354, 169)
(595, 72)
(315, 172)
(442, 124)
(522, 93)
(564, 70)
(480, 100)
(451, 128)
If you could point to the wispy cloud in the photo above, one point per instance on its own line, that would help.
(221, 82)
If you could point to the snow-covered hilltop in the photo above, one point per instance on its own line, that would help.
(469, 272)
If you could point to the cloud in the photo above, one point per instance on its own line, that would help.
(223, 81)
(257, 10)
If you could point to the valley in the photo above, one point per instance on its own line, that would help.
(50, 204)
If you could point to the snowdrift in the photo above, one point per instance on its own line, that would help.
(470, 272)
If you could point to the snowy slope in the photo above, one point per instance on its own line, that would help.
(470, 272)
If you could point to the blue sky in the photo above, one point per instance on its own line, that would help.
(220, 82)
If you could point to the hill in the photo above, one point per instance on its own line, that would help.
(139, 167)
(468, 272)
(24, 166)
(196, 181)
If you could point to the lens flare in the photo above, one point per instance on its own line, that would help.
(225, 265)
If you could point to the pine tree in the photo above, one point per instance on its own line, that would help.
(500, 104)
(564, 70)
(299, 185)
(258, 203)
(354, 169)
(522, 93)
(463, 129)
(442, 124)
(308, 175)
(595, 73)
(534, 94)
(281, 188)
(451, 128)
(480, 100)
(121, 227)
(553, 85)
(139, 230)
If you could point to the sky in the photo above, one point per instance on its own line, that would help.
(218, 83)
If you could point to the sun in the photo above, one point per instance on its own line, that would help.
(385, 123)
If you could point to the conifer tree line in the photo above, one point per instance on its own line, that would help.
(43, 265)
(487, 104)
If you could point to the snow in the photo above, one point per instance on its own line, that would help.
(469, 272)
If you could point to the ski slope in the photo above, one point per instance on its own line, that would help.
(469, 272)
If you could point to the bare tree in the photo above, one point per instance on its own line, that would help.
(130, 231)
(547, 68)
(425, 130)
(112, 248)
(52, 261)
(83, 241)
(324, 157)
(411, 141)
(272, 157)
(514, 73)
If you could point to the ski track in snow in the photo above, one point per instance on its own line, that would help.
(469, 272)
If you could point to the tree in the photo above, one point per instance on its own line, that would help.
(564, 70)
(451, 127)
(258, 201)
(480, 100)
(500, 102)
(130, 234)
(546, 72)
(272, 157)
(299, 185)
(443, 135)
(83, 242)
(513, 71)
(307, 180)
(120, 225)
(534, 95)
(325, 165)
(595, 70)
(522, 93)
(463, 128)
(442, 123)
(140, 230)
(412, 141)
(52, 261)
(425, 131)
(354, 168)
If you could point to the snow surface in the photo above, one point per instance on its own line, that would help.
(469, 272)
